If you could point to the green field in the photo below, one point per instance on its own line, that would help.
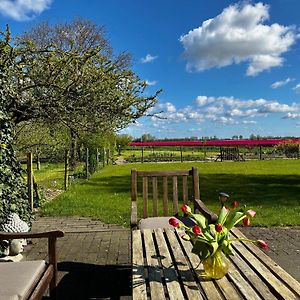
(272, 188)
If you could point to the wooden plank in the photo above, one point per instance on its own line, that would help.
(139, 290)
(163, 173)
(165, 196)
(155, 196)
(185, 189)
(256, 282)
(271, 280)
(145, 197)
(274, 267)
(208, 286)
(155, 278)
(196, 183)
(170, 274)
(175, 195)
(243, 286)
(190, 286)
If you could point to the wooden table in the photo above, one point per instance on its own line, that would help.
(163, 268)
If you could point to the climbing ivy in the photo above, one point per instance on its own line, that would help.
(13, 197)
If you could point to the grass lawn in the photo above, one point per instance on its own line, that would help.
(272, 188)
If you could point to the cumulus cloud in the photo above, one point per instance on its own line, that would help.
(297, 88)
(238, 34)
(151, 82)
(292, 116)
(280, 83)
(148, 58)
(22, 10)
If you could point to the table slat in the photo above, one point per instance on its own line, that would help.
(138, 277)
(173, 286)
(284, 276)
(208, 286)
(155, 278)
(264, 273)
(190, 285)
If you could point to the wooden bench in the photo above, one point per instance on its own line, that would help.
(29, 279)
(164, 268)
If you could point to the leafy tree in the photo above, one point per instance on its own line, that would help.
(79, 88)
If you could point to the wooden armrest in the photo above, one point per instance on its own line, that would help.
(29, 235)
(209, 215)
(133, 219)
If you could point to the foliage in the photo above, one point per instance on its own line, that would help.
(69, 79)
(13, 197)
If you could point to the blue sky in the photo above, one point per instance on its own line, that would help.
(226, 67)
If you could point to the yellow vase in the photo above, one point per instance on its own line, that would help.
(216, 266)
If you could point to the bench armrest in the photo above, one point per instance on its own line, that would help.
(30, 235)
(201, 207)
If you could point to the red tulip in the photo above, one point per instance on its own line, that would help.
(197, 230)
(235, 204)
(246, 222)
(186, 209)
(174, 222)
(262, 244)
(218, 227)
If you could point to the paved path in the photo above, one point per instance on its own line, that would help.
(94, 258)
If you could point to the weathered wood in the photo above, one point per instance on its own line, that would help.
(208, 286)
(30, 180)
(155, 196)
(188, 280)
(155, 278)
(184, 189)
(274, 267)
(169, 271)
(263, 272)
(138, 274)
(145, 197)
(175, 195)
(170, 264)
(165, 196)
(196, 183)
(163, 173)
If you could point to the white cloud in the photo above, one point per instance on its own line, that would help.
(297, 88)
(280, 83)
(249, 122)
(151, 83)
(22, 10)
(275, 107)
(292, 116)
(148, 58)
(238, 35)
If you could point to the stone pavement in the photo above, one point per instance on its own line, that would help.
(94, 258)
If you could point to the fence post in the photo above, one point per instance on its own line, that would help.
(107, 156)
(30, 180)
(87, 164)
(66, 179)
(181, 158)
(38, 162)
(103, 160)
(142, 154)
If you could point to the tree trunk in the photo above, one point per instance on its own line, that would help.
(73, 151)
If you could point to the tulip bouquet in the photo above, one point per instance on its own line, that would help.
(209, 239)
